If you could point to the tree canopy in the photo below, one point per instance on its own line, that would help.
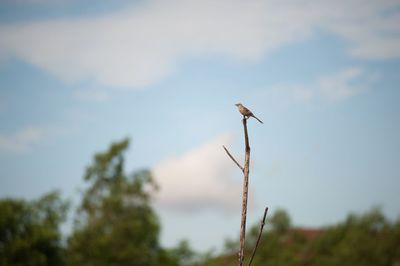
(360, 240)
(29, 231)
(116, 224)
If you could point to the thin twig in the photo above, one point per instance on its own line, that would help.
(245, 193)
(259, 235)
(233, 159)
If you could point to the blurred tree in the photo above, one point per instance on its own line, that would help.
(232, 246)
(184, 254)
(361, 240)
(29, 231)
(368, 239)
(280, 221)
(115, 223)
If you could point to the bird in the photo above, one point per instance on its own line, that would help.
(246, 112)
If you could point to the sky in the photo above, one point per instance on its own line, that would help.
(322, 75)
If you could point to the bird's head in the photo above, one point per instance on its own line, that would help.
(238, 104)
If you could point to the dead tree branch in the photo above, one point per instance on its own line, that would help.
(233, 159)
(245, 193)
(259, 235)
(246, 169)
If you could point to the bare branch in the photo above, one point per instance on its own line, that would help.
(259, 235)
(245, 192)
(246, 169)
(233, 159)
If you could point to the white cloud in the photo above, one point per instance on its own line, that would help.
(25, 139)
(139, 46)
(339, 86)
(327, 89)
(199, 179)
(22, 140)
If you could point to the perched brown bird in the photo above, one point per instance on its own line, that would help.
(246, 112)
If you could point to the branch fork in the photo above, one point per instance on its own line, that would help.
(233, 159)
(245, 170)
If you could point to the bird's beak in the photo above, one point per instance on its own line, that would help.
(237, 104)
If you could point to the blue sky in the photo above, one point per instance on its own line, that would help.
(322, 75)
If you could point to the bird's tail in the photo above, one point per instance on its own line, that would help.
(258, 119)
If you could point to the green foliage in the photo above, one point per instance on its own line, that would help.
(116, 224)
(29, 231)
(232, 246)
(368, 239)
(280, 221)
(184, 254)
(363, 240)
